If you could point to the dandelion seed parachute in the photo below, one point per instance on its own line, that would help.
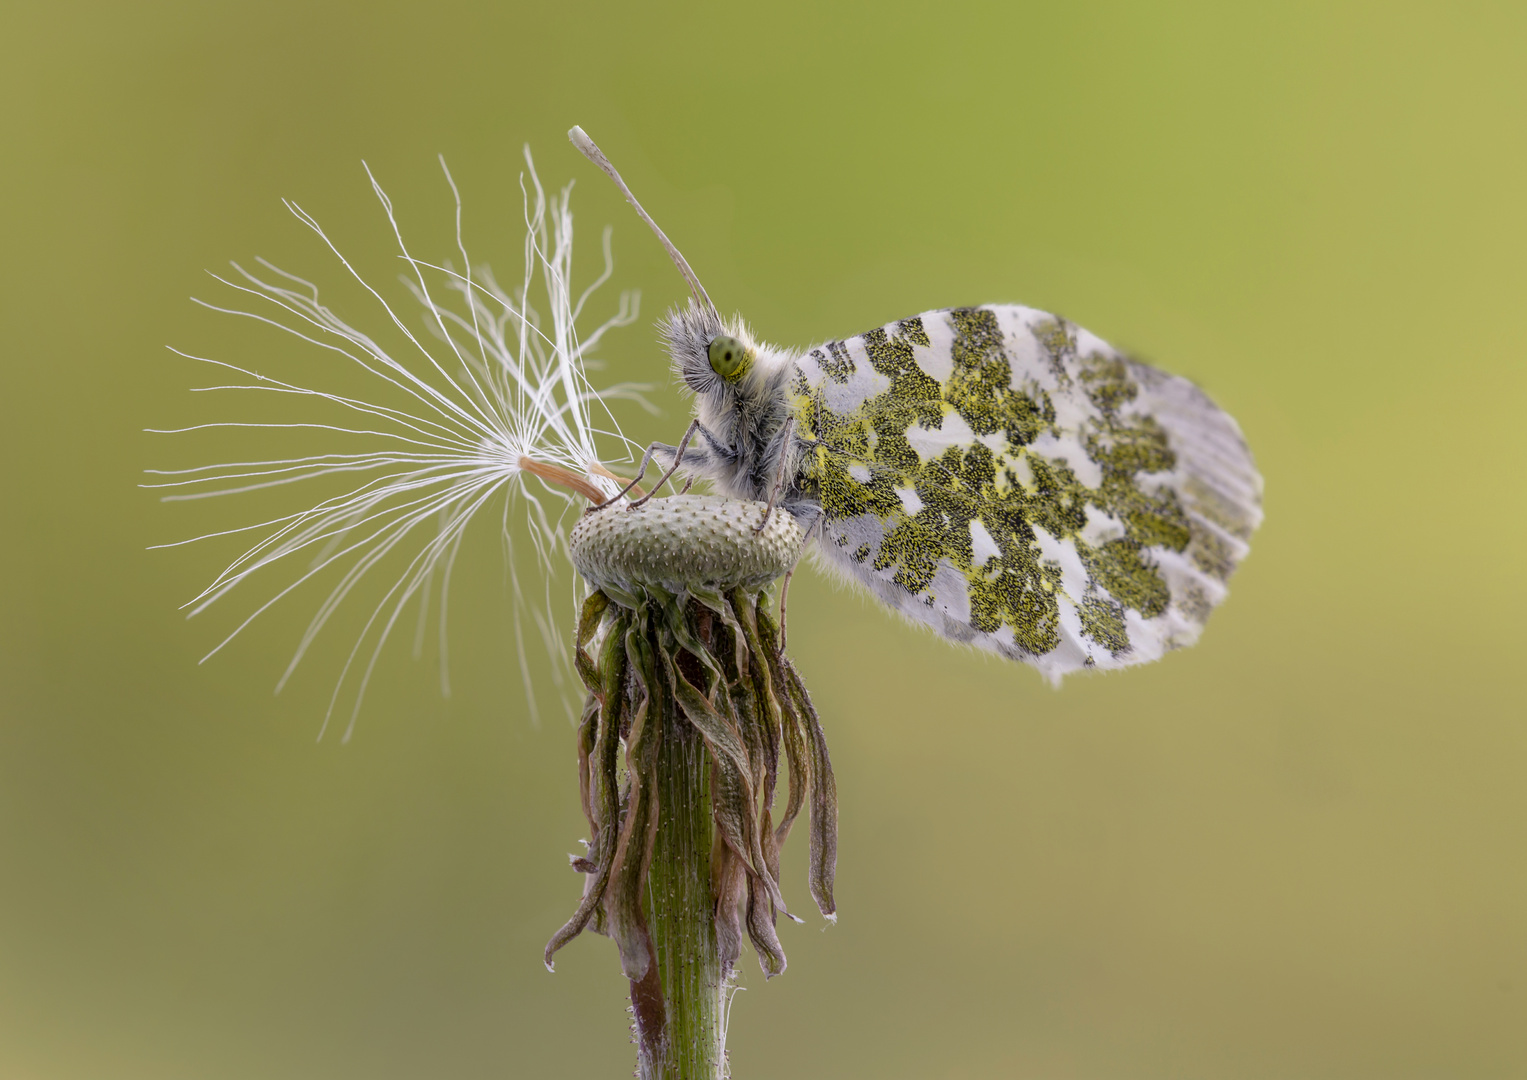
(482, 408)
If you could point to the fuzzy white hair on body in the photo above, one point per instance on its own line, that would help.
(480, 409)
(743, 421)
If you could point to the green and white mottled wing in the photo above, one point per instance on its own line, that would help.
(1018, 484)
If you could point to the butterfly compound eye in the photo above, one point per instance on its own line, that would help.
(728, 358)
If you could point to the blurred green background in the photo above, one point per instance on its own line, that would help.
(1296, 850)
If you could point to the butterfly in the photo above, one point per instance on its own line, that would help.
(995, 473)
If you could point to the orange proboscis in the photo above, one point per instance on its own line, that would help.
(556, 474)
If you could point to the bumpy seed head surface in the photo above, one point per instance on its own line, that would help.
(685, 542)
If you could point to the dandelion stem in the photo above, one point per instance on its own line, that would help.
(678, 1001)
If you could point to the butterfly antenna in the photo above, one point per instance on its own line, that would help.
(596, 155)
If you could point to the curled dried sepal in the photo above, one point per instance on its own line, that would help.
(598, 750)
(815, 769)
(633, 850)
(823, 864)
(712, 661)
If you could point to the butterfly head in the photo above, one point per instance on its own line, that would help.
(716, 358)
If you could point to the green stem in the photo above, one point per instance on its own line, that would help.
(685, 977)
(684, 862)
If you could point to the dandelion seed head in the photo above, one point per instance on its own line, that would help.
(487, 403)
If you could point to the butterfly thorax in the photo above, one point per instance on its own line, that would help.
(743, 445)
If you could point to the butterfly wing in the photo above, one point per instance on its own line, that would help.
(1018, 484)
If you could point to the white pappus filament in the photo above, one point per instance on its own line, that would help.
(490, 393)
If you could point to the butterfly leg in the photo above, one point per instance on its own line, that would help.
(642, 469)
(678, 457)
(779, 472)
(701, 457)
(640, 472)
